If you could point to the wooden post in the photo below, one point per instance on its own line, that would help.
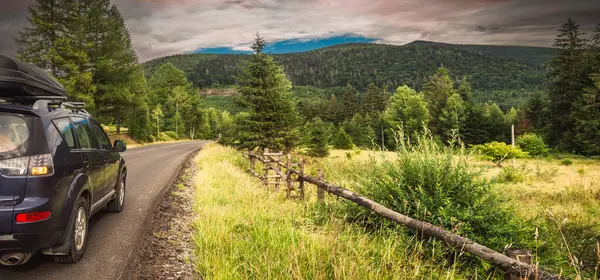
(512, 133)
(288, 177)
(522, 256)
(320, 191)
(278, 178)
(266, 167)
(252, 162)
(301, 179)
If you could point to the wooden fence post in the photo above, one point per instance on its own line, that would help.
(288, 177)
(320, 191)
(252, 162)
(522, 256)
(266, 166)
(301, 179)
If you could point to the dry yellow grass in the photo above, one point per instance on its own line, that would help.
(244, 231)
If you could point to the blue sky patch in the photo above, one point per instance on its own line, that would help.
(294, 45)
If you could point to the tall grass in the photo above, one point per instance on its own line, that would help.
(244, 231)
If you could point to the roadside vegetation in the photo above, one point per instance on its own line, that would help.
(245, 231)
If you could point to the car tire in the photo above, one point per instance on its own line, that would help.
(78, 233)
(116, 205)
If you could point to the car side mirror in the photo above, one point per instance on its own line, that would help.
(120, 146)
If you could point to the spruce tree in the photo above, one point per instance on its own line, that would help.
(341, 139)
(360, 130)
(54, 41)
(348, 103)
(374, 100)
(567, 78)
(318, 145)
(436, 92)
(264, 91)
(587, 118)
(453, 116)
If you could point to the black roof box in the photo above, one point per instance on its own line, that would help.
(20, 79)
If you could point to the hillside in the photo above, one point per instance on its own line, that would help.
(536, 56)
(361, 64)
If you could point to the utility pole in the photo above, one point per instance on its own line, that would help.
(512, 133)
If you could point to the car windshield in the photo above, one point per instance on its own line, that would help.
(14, 136)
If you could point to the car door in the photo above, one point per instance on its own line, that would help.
(111, 157)
(93, 158)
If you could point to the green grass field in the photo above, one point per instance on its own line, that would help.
(244, 231)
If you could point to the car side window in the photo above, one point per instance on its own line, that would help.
(65, 128)
(100, 135)
(84, 136)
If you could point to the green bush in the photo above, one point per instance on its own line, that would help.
(165, 137)
(498, 152)
(171, 134)
(533, 144)
(435, 183)
(566, 162)
(510, 175)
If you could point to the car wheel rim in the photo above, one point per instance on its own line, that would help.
(80, 228)
(122, 192)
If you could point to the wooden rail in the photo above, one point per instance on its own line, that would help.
(514, 265)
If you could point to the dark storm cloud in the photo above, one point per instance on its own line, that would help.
(162, 27)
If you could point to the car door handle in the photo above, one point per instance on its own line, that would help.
(86, 164)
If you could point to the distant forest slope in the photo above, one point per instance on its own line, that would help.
(360, 64)
(536, 56)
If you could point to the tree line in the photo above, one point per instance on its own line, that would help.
(87, 47)
(566, 114)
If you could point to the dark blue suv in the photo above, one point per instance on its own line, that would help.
(57, 168)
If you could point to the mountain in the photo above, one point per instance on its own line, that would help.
(529, 55)
(361, 64)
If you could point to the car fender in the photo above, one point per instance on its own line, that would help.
(80, 184)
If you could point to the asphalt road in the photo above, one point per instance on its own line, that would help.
(113, 236)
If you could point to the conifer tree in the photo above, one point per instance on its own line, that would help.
(374, 100)
(587, 118)
(360, 130)
(348, 103)
(54, 41)
(436, 92)
(318, 145)
(453, 116)
(264, 90)
(341, 139)
(568, 78)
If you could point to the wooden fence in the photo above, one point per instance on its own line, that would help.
(278, 169)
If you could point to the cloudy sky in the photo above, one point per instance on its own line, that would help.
(164, 27)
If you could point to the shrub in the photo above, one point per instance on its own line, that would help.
(510, 175)
(435, 183)
(498, 152)
(165, 137)
(533, 144)
(171, 134)
(566, 162)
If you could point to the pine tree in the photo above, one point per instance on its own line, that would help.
(436, 92)
(341, 139)
(453, 116)
(375, 100)
(348, 103)
(360, 130)
(587, 118)
(568, 79)
(264, 90)
(318, 145)
(54, 41)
